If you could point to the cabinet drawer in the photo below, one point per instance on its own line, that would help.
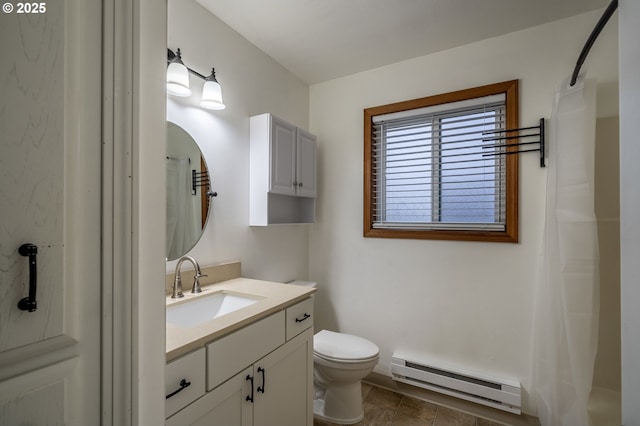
(299, 317)
(230, 354)
(191, 369)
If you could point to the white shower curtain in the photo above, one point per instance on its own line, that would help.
(182, 227)
(567, 296)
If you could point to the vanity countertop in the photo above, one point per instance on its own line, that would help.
(277, 296)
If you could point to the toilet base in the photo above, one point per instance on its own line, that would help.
(345, 402)
(318, 413)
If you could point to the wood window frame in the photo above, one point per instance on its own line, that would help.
(510, 233)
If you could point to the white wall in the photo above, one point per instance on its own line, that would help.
(461, 303)
(252, 83)
(629, 207)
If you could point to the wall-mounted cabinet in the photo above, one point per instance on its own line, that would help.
(282, 170)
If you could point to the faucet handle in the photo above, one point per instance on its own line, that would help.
(196, 282)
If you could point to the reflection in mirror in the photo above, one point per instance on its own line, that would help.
(187, 192)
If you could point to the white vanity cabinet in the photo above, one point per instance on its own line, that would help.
(260, 375)
(282, 170)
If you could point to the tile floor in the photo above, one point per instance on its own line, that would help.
(383, 407)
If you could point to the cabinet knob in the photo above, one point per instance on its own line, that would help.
(300, 184)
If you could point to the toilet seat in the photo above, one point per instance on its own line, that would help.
(342, 347)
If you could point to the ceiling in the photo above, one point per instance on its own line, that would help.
(319, 40)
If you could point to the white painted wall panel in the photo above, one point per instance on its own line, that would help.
(31, 172)
(43, 406)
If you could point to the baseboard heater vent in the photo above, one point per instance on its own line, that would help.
(497, 393)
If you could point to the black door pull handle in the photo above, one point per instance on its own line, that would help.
(304, 317)
(183, 385)
(261, 388)
(250, 397)
(29, 303)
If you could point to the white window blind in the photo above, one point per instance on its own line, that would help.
(437, 167)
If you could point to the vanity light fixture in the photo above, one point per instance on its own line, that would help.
(212, 93)
(178, 82)
(177, 76)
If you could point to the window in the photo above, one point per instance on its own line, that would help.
(438, 167)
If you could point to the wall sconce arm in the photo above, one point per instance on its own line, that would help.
(171, 57)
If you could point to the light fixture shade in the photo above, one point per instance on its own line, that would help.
(178, 77)
(178, 80)
(212, 93)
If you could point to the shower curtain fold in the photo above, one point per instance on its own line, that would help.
(567, 294)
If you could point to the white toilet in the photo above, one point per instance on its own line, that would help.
(340, 362)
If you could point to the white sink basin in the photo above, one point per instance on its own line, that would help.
(206, 308)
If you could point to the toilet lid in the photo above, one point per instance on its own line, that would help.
(329, 344)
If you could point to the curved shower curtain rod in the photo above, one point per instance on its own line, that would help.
(592, 38)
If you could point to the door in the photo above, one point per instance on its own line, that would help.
(306, 164)
(50, 159)
(283, 157)
(284, 384)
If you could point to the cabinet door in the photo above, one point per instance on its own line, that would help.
(284, 384)
(306, 164)
(227, 405)
(283, 158)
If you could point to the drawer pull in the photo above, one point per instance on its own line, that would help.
(261, 388)
(304, 317)
(250, 397)
(183, 385)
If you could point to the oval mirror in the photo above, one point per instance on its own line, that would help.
(187, 192)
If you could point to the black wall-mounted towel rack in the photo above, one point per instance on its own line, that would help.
(199, 179)
(527, 136)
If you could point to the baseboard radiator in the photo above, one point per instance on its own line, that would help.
(497, 393)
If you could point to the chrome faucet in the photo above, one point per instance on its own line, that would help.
(177, 281)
